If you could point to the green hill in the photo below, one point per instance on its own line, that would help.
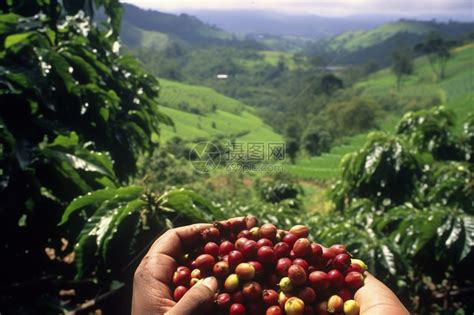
(456, 93)
(202, 113)
(379, 43)
(137, 37)
(141, 28)
(356, 40)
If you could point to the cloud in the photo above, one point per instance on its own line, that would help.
(321, 7)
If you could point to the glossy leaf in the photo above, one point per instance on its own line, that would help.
(97, 197)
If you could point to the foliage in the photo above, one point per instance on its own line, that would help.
(75, 117)
(330, 83)
(352, 117)
(408, 211)
(437, 51)
(292, 146)
(385, 171)
(316, 140)
(431, 130)
(279, 191)
(163, 170)
(118, 219)
(402, 66)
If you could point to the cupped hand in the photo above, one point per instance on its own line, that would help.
(153, 277)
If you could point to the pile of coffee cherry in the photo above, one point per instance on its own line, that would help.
(266, 270)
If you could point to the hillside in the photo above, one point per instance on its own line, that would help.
(135, 37)
(456, 92)
(352, 41)
(202, 113)
(138, 25)
(379, 43)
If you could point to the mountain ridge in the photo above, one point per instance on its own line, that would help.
(358, 47)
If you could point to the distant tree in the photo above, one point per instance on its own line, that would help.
(437, 51)
(173, 50)
(293, 129)
(402, 66)
(175, 146)
(330, 83)
(214, 108)
(213, 125)
(359, 115)
(316, 140)
(354, 116)
(292, 148)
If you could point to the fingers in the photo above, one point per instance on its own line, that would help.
(375, 298)
(151, 292)
(172, 242)
(160, 261)
(200, 296)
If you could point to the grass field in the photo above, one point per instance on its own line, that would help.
(176, 95)
(272, 57)
(231, 119)
(456, 93)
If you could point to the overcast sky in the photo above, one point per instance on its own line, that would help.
(411, 8)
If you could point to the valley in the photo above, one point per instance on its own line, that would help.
(268, 90)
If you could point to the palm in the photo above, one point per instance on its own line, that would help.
(153, 277)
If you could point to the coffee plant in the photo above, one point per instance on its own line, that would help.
(405, 205)
(75, 117)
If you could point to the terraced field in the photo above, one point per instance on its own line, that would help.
(202, 113)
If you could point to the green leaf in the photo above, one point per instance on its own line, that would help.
(77, 162)
(468, 222)
(16, 38)
(189, 204)
(116, 221)
(426, 225)
(97, 197)
(388, 259)
(60, 67)
(8, 23)
(97, 226)
(455, 233)
(81, 69)
(68, 142)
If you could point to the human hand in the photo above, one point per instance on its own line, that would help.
(375, 298)
(153, 277)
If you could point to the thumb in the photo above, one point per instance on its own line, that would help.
(200, 295)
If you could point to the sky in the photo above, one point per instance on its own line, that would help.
(408, 8)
